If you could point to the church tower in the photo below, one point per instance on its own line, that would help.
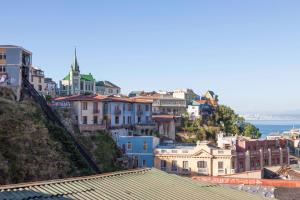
(75, 76)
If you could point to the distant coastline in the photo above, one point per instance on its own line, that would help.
(274, 126)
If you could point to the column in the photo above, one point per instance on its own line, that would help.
(280, 153)
(261, 153)
(270, 157)
(247, 161)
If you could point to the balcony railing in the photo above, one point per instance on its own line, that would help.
(96, 111)
(118, 112)
(202, 171)
(139, 112)
(185, 171)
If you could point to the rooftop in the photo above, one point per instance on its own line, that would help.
(134, 184)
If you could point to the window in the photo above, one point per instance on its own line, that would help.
(129, 119)
(129, 107)
(129, 146)
(144, 163)
(117, 120)
(147, 107)
(84, 119)
(2, 69)
(163, 165)
(39, 87)
(266, 162)
(124, 119)
(139, 120)
(174, 165)
(84, 106)
(202, 164)
(40, 79)
(95, 120)
(139, 107)
(185, 166)
(2, 56)
(145, 146)
(147, 119)
(95, 107)
(220, 167)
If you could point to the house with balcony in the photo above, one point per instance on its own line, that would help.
(199, 159)
(138, 149)
(119, 115)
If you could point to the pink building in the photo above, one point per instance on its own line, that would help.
(253, 154)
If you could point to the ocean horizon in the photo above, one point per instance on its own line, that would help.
(274, 126)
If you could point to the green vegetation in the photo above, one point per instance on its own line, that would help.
(103, 149)
(223, 119)
(31, 149)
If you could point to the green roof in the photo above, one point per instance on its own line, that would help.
(87, 77)
(133, 184)
(67, 77)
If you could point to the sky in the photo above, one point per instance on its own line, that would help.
(247, 51)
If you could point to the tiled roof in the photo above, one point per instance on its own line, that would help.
(97, 97)
(135, 184)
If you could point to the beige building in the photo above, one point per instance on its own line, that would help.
(187, 94)
(202, 159)
(37, 79)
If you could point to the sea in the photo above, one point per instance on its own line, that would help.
(274, 126)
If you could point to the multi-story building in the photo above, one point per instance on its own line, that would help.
(253, 154)
(139, 149)
(122, 116)
(188, 94)
(202, 159)
(15, 63)
(76, 83)
(37, 79)
(166, 126)
(50, 87)
(201, 108)
(107, 88)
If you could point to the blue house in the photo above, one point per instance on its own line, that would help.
(139, 149)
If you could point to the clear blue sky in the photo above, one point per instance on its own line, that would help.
(246, 51)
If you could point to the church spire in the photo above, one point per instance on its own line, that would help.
(75, 66)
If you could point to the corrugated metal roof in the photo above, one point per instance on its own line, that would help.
(135, 184)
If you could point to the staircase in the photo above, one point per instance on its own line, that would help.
(52, 117)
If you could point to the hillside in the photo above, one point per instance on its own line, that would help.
(207, 127)
(32, 149)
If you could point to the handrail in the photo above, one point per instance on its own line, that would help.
(51, 116)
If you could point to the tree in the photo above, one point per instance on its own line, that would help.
(251, 131)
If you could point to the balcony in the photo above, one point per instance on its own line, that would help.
(202, 171)
(185, 171)
(139, 112)
(95, 111)
(118, 112)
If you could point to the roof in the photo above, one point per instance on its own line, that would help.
(134, 184)
(97, 97)
(106, 84)
(15, 46)
(87, 77)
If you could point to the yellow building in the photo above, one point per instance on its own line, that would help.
(202, 159)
